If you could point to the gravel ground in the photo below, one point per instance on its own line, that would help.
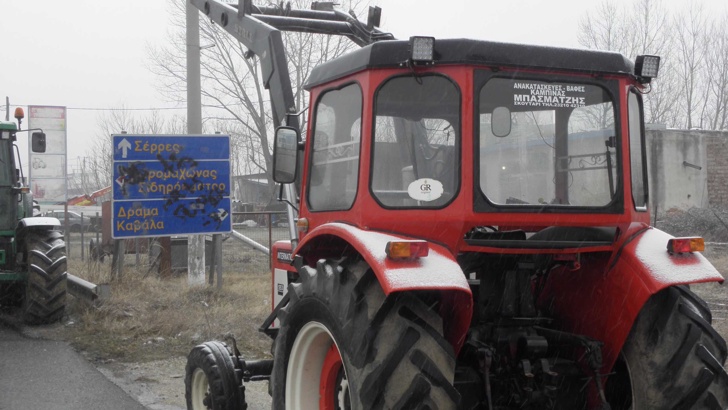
(160, 385)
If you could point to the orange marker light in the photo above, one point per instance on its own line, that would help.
(302, 225)
(407, 249)
(682, 245)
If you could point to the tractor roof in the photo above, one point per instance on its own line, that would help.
(8, 125)
(460, 51)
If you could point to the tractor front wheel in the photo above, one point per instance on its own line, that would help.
(344, 344)
(672, 359)
(45, 288)
(211, 380)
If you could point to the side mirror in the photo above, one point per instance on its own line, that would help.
(38, 142)
(285, 155)
(500, 122)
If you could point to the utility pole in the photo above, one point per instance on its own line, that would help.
(195, 243)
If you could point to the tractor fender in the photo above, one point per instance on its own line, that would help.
(39, 222)
(604, 303)
(437, 271)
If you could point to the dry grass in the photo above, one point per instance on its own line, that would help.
(148, 318)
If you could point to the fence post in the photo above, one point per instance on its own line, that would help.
(117, 259)
(98, 229)
(217, 257)
(165, 257)
(270, 238)
(137, 252)
(82, 243)
(213, 262)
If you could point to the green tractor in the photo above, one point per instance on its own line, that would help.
(32, 249)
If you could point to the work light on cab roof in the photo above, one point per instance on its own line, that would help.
(646, 67)
(422, 49)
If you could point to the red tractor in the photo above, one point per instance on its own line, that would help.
(472, 232)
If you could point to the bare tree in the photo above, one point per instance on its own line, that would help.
(690, 36)
(232, 89)
(644, 28)
(604, 29)
(650, 27)
(716, 66)
(95, 171)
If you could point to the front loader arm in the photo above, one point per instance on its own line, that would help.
(264, 41)
(259, 29)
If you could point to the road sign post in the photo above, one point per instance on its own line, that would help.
(170, 185)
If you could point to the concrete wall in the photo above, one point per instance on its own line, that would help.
(687, 168)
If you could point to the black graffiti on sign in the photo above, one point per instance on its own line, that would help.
(188, 188)
(135, 173)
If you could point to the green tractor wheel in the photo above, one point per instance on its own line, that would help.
(45, 290)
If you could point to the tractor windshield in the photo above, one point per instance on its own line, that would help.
(546, 143)
(416, 141)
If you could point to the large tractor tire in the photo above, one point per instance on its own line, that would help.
(45, 288)
(211, 381)
(343, 344)
(672, 359)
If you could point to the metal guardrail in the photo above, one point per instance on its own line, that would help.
(255, 245)
(86, 291)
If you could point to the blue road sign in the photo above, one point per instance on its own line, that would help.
(171, 185)
(161, 217)
(182, 179)
(170, 147)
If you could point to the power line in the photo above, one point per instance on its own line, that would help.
(108, 109)
(125, 109)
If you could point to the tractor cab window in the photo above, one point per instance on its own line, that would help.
(415, 159)
(547, 143)
(335, 158)
(637, 151)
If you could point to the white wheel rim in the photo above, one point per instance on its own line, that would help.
(303, 376)
(200, 389)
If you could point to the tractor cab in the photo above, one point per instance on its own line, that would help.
(8, 177)
(477, 133)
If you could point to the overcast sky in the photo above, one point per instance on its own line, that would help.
(93, 53)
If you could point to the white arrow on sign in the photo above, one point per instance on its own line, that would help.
(124, 145)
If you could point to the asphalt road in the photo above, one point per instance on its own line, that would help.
(43, 374)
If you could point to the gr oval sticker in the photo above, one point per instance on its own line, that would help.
(425, 189)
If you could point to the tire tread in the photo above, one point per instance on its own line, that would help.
(378, 335)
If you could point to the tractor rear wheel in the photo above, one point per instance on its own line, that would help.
(343, 344)
(672, 359)
(45, 288)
